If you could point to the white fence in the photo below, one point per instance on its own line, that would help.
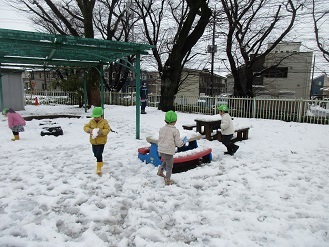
(296, 110)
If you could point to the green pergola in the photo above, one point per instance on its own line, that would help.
(32, 49)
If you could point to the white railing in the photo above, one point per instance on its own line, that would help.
(51, 97)
(296, 110)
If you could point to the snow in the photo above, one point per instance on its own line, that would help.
(272, 192)
(209, 118)
(95, 133)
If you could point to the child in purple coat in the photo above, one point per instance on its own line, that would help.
(15, 122)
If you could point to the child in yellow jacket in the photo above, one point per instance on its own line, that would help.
(98, 128)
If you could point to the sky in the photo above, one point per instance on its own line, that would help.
(273, 192)
(303, 32)
(10, 18)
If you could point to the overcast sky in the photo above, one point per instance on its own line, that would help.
(303, 32)
(13, 19)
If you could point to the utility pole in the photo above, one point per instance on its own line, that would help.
(212, 49)
(213, 56)
(312, 78)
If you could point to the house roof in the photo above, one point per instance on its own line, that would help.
(31, 48)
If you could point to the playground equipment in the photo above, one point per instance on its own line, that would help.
(187, 157)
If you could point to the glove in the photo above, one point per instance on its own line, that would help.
(185, 140)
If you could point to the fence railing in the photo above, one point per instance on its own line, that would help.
(296, 110)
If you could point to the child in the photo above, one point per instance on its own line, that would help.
(98, 129)
(169, 139)
(15, 122)
(227, 130)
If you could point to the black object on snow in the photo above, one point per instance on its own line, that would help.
(55, 131)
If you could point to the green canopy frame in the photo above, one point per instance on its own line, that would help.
(32, 49)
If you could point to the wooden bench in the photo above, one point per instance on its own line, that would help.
(241, 134)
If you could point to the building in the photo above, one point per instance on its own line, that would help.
(11, 89)
(320, 87)
(194, 83)
(201, 82)
(40, 79)
(288, 76)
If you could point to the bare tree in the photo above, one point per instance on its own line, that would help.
(115, 20)
(318, 19)
(252, 25)
(174, 37)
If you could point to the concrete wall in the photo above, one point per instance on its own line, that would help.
(297, 84)
(190, 87)
(299, 74)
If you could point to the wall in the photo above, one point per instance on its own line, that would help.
(297, 82)
(12, 90)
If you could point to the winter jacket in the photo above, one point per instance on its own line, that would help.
(227, 125)
(169, 139)
(104, 129)
(15, 119)
(143, 93)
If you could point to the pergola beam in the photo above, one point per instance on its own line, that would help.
(30, 49)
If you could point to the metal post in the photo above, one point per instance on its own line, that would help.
(1, 94)
(101, 74)
(137, 70)
(85, 90)
(45, 79)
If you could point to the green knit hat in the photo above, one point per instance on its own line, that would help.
(4, 111)
(97, 112)
(223, 108)
(170, 117)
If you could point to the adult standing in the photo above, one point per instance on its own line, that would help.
(227, 130)
(143, 96)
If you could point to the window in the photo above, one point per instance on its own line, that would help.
(279, 72)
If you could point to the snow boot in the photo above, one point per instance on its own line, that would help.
(160, 172)
(168, 181)
(234, 149)
(16, 138)
(99, 168)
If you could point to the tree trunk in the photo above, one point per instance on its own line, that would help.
(93, 88)
(167, 96)
(249, 82)
(238, 90)
(169, 83)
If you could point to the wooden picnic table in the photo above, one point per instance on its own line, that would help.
(208, 125)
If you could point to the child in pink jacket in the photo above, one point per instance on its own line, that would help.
(15, 122)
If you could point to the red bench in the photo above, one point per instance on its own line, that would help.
(194, 154)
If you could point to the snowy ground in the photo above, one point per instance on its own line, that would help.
(273, 192)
